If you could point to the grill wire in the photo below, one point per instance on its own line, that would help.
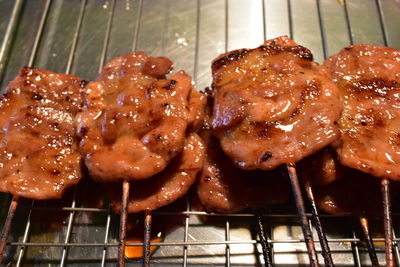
(106, 244)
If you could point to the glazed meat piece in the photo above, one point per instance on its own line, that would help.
(273, 104)
(356, 193)
(339, 189)
(322, 167)
(135, 120)
(167, 186)
(222, 187)
(368, 78)
(39, 155)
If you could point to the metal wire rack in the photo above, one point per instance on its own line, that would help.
(78, 36)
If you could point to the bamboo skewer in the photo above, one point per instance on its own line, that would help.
(147, 238)
(122, 224)
(387, 222)
(7, 226)
(326, 253)
(302, 213)
(370, 243)
(266, 247)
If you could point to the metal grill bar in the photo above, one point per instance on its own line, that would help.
(103, 258)
(107, 36)
(226, 25)
(76, 37)
(186, 233)
(39, 32)
(322, 29)
(138, 23)
(348, 23)
(290, 19)
(200, 213)
(228, 248)
(69, 228)
(26, 233)
(356, 252)
(382, 22)
(196, 51)
(396, 249)
(9, 32)
(192, 243)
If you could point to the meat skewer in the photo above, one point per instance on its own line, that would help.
(274, 105)
(369, 85)
(139, 127)
(337, 190)
(39, 106)
(224, 188)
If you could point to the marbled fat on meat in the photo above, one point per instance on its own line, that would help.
(368, 78)
(39, 155)
(273, 104)
(135, 120)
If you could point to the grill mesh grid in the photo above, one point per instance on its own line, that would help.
(192, 33)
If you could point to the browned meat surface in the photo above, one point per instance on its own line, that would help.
(39, 155)
(273, 104)
(356, 193)
(368, 79)
(222, 187)
(167, 186)
(322, 167)
(339, 189)
(135, 119)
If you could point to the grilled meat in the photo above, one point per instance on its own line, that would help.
(322, 167)
(135, 120)
(39, 155)
(273, 104)
(167, 186)
(222, 187)
(368, 79)
(356, 193)
(339, 189)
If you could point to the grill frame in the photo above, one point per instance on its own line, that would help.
(12, 30)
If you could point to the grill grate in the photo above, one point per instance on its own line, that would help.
(78, 36)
